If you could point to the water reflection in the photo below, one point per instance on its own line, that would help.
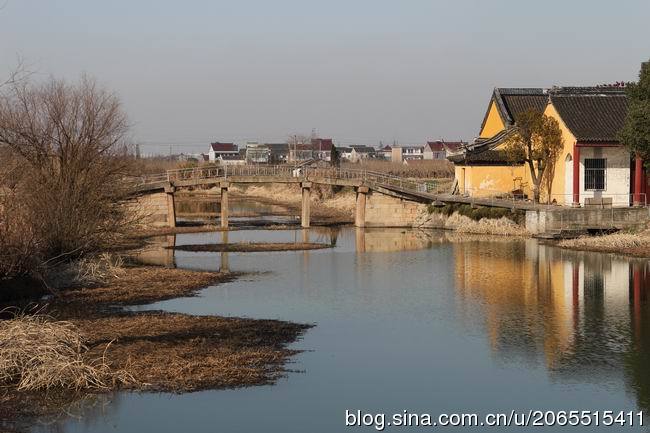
(584, 314)
(207, 208)
(430, 320)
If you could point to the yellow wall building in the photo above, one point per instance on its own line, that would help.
(485, 170)
(592, 167)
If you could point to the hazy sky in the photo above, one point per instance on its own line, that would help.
(360, 71)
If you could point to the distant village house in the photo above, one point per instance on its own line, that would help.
(220, 150)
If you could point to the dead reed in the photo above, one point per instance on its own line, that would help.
(38, 353)
(633, 244)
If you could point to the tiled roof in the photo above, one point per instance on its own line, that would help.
(363, 149)
(453, 146)
(435, 146)
(483, 150)
(223, 147)
(511, 102)
(486, 157)
(592, 114)
(278, 147)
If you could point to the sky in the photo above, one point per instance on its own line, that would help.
(360, 71)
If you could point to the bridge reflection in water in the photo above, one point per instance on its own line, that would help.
(584, 316)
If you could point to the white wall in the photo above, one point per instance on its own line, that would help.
(617, 181)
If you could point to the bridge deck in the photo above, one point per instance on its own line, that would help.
(426, 192)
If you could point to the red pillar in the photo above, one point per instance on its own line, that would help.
(638, 177)
(576, 175)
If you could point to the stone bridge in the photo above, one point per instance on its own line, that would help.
(381, 199)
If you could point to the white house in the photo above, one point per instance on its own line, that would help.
(218, 149)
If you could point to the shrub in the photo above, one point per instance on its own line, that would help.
(63, 185)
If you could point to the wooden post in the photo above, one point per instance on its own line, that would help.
(171, 209)
(224, 204)
(306, 203)
(360, 210)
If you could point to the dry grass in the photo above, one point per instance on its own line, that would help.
(487, 226)
(424, 169)
(252, 247)
(633, 244)
(92, 347)
(40, 354)
(87, 271)
(143, 285)
(327, 206)
(179, 353)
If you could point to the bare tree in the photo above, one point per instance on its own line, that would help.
(69, 140)
(299, 147)
(536, 140)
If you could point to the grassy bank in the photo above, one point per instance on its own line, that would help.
(629, 244)
(464, 218)
(82, 343)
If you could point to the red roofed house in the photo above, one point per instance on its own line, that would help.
(439, 149)
(219, 150)
(322, 148)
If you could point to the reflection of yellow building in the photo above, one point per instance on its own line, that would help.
(514, 293)
(536, 299)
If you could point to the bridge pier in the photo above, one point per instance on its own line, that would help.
(224, 204)
(305, 215)
(360, 210)
(171, 209)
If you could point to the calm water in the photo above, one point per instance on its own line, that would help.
(412, 320)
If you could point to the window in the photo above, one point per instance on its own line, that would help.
(595, 173)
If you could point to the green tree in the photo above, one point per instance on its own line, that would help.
(536, 140)
(636, 131)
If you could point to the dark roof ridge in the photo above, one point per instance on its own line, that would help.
(521, 90)
(587, 90)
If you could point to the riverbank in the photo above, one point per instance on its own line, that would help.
(159, 351)
(627, 244)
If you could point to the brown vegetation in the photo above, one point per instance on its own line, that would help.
(424, 169)
(40, 354)
(629, 244)
(64, 160)
(329, 206)
(142, 285)
(180, 353)
(92, 347)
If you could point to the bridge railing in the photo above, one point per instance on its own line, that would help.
(371, 178)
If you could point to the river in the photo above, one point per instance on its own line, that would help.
(423, 321)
